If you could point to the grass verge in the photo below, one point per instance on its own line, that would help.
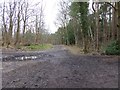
(79, 51)
(75, 50)
(37, 47)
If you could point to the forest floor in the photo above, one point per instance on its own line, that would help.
(58, 68)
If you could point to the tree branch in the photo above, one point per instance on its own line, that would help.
(111, 5)
(93, 6)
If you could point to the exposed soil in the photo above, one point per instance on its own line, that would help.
(59, 69)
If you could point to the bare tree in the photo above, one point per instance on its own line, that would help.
(12, 7)
(17, 19)
(63, 17)
(4, 31)
(25, 17)
(17, 39)
(96, 36)
(39, 21)
(116, 17)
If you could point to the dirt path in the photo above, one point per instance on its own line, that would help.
(60, 69)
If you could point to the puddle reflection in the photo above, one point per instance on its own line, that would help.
(25, 57)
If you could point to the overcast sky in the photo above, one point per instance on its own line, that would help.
(51, 10)
(51, 14)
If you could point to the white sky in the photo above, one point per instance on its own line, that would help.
(50, 13)
(51, 10)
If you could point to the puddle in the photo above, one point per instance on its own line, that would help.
(25, 57)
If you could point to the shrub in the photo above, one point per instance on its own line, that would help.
(29, 38)
(113, 48)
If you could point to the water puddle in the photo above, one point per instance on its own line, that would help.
(25, 57)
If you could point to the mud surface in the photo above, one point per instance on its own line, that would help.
(57, 68)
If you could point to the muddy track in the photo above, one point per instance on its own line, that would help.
(57, 68)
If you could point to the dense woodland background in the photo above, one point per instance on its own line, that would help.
(93, 31)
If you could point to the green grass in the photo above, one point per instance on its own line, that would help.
(37, 47)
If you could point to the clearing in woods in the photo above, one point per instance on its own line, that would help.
(58, 68)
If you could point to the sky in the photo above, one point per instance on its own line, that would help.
(51, 14)
(51, 10)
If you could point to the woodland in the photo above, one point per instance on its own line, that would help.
(94, 30)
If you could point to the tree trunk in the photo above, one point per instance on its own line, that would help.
(113, 23)
(85, 44)
(97, 27)
(75, 31)
(36, 27)
(23, 37)
(118, 26)
(5, 42)
(110, 24)
(105, 30)
(17, 41)
(68, 43)
(10, 31)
